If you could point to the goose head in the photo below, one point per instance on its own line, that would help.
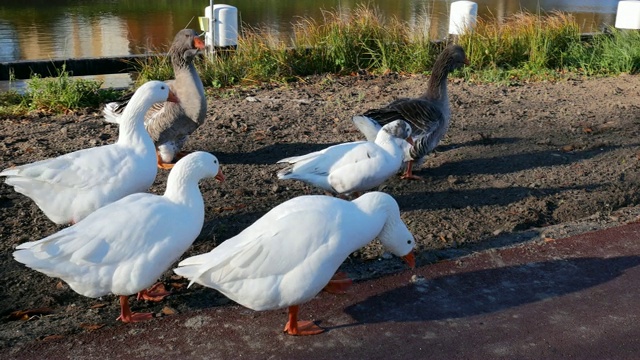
(186, 45)
(453, 57)
(394, 236)
(398, 128)
(197, 165)
(145, 96)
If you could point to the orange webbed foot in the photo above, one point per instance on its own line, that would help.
(300, 328)
(339, 283)
(135, 317)
(155, 293)
(412, 177)
(303, 328)
(408, 175)
(126, 316)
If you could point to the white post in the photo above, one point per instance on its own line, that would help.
(462, 17)
(628, 15)
(212, 28)
(222, 21)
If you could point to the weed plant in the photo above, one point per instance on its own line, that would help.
(59, 94)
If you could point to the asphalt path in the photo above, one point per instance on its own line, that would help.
(572, 298)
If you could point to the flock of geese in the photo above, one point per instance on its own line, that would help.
(122, 239)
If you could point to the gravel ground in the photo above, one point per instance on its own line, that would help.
(525, 162)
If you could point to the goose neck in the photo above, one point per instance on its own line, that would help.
(183, 189)
(131, 127)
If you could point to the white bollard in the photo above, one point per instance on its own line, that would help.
(463, 17)
(628, 15)
(223, 28)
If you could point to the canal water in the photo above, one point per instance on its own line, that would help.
(55, 29)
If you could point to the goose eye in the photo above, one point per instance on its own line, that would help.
(409, 242)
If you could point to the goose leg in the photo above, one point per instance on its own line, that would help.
(126, 316)
(408, 175)
(339, 283)
(155, 293)
(300, 328)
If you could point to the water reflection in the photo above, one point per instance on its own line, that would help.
(9, 48)
(46, 29)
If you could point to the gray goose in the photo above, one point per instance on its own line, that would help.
(429, 115)
(170, 124)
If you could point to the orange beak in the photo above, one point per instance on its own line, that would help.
(172, 97)
(410, 259)
(199, 44)
(220, 176)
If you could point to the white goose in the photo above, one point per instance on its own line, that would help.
(354, 166)
(71, 186)
(124, 247)
(429, 114)
(287, 256)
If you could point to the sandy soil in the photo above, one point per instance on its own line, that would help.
(519, 163)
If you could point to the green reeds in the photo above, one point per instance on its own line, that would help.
(531, 47)
(343, 43)
(523, 47)
(612, 53)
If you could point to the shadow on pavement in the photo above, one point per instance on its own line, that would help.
(486, 291)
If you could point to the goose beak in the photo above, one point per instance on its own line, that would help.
(409, 140)
(172, 97)
(410, 259)
(220, 176)
(198, 43)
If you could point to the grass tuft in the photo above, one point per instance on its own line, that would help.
(540, 47)
(56, 95)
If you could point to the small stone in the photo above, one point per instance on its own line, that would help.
(168, 311)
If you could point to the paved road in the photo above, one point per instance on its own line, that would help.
(573, 298)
